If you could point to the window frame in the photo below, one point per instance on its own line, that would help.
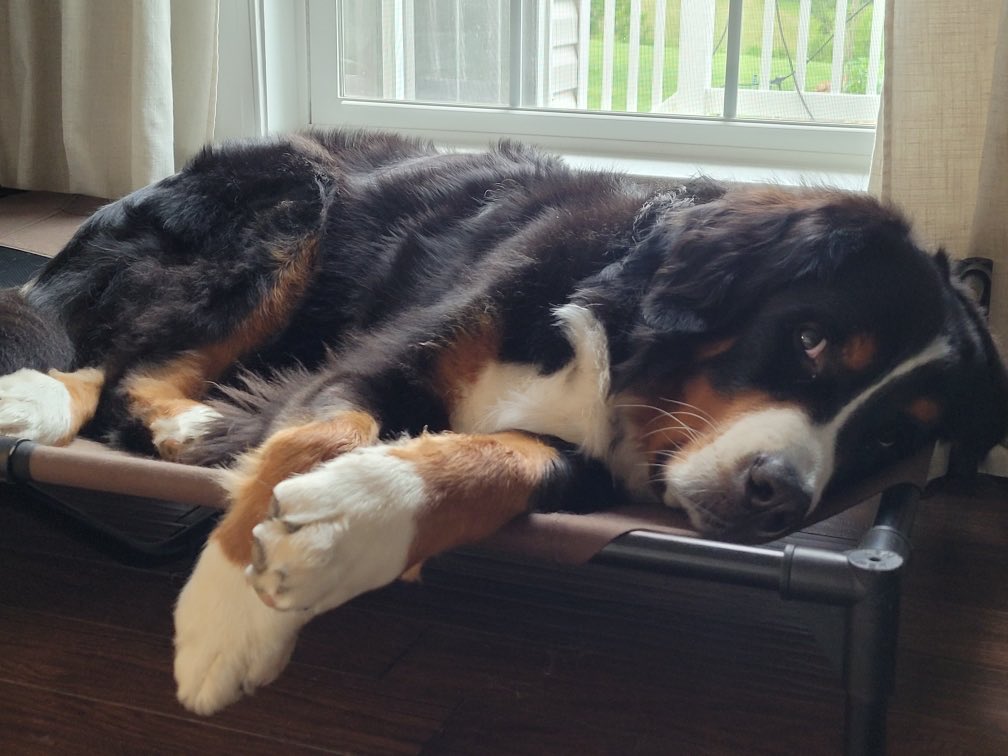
(756, 147)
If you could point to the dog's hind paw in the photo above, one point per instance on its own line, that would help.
(173, 434)
(227, 643)
(35, 406)
(336, 532)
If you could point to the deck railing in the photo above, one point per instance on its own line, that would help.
(761, 96)
(790, 60)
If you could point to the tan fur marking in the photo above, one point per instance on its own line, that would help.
(285, 453)
(460, 362)
(166, 390)
(84, 387)
(273, 313)
(858, 352)
(413, 573)
(925, 410)
(316, 153)
(696, 417)
(475, 483)
(709, 351)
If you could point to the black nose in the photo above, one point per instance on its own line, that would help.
(775, 495)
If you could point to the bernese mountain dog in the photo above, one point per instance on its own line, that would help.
(396, 349)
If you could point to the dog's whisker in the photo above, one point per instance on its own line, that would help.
(688, 405)
(669, 453)
(678, 414)
(675, 416)
(706, 416)
(694, 434)
(691, 433)
(682, 413)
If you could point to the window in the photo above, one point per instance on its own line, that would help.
(786, 83)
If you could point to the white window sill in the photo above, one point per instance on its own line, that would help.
(657, 168)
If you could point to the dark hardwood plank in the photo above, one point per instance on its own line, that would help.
(580, 700)
(40, 721)
(498, 656)
(124, 597)
(125, 668)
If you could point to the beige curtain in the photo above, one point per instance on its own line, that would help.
(101, 97)
(942, 146)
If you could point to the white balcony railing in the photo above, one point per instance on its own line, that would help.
(694, 94)
(622, 55)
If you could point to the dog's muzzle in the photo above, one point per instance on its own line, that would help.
(773, 497)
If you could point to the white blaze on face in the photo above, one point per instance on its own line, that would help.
(936, 351)
(712, 471)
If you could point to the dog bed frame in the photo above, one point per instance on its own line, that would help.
(854, 592)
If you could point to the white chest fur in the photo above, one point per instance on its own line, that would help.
(573, 403)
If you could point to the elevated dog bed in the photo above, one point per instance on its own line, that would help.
(160, 507)
(185, 494)
(846, 565)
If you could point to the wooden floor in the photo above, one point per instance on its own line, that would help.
(496, 658)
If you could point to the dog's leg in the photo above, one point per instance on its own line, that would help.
(166, 398)
(227, 641)
(358, 522)
(48, 407)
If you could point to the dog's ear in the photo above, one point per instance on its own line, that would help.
(701, 270)
(979, 414)
(979, 418)
(941, 259)
(721, 259)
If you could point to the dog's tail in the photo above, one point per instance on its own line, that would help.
(31, 337)
(247, 411)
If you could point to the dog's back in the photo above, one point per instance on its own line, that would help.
(275, 253)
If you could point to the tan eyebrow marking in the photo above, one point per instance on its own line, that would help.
(858, 351)
(925, 410)
(715, 348)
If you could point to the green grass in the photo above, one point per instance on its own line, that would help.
(818, 70)
(817, 74)
(669, 83)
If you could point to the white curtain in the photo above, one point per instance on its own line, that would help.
(942, 146)
(101, 97)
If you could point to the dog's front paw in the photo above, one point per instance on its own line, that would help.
(35, 406)
(338, 531)
(227, 643)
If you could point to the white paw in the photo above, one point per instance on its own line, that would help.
(35, 406)
(227, 642)
(172, 434)
(338, 531)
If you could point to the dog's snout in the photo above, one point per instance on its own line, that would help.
(771, 482)
(775, 494)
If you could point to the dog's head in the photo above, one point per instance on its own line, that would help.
(787, 343)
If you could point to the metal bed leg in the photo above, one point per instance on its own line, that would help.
(863, 584)
(873, 621)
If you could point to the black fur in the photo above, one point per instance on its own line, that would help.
(416, 245)
(30, 337)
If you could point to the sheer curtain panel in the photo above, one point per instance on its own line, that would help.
(941, 151)
(101, 97)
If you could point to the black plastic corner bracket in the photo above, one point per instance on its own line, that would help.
(14, 455)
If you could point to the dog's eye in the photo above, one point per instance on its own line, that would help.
(811, 340)
(890, 436)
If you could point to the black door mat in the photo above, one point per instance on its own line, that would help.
(16, 267)
(131, 527)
